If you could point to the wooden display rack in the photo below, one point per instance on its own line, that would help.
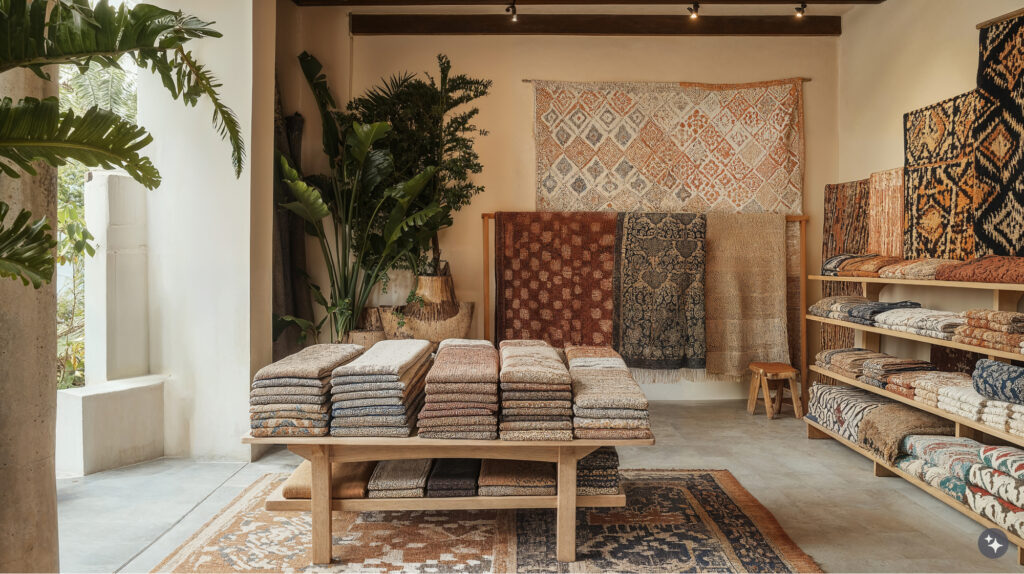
(322, 451)
(1005, 297)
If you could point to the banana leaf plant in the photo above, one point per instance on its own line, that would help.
(35, 34)
(364, 222)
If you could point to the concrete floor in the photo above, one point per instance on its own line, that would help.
(823, 494)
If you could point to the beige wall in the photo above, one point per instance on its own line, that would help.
(508, 152)
(894, 58)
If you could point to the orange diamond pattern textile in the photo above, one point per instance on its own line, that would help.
(670, 147)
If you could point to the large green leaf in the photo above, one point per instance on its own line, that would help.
(36, 130)
(317, 80)
(309, 203)
(363, 136)
(26, 248)
(74, 33)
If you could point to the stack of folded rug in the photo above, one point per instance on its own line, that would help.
(876, 372)
(999, 381)
(830, 267)
(292, 396)
(995, 487)
(942, 461)
(987, 269)
(598, 472)
(865, 313)
(866, 266)
(536, 392)
(928, 384)
(348, 480)
(917, 269)
(824, 307)
(453, 477)
(841, 409)
(1000, 330)
(851, 362)
(461, 392)
(400, 478)
(379, 393)
(883, 429)
(517, 478)
(964, 402)
(607, 402)
(924, 322)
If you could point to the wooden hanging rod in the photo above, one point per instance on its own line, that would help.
(1001, 19)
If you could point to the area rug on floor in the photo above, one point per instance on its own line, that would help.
(674, 521)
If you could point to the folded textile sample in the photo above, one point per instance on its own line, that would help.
(830, 267)
(999, 381)
(400, 478)
(866, 266)
(348, 480)
(906, 383)
(517, 478)
(865, 313)
(534, 383)
(996, 486)
(952, 486)
(602, 383)
(598, 472)
(824, 307)
(453, 477)
(918, 269)
(1005, 321)
(380, 393)
(928, 385)
(954, 456)
(883, 429)
(842, 409)
(925, 322)
(291, 397)
(878, 370)
(461, 392)
(851, 362)
(988, 269)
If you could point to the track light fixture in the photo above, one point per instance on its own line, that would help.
(801, 10)
(511, 9)
(694, 10)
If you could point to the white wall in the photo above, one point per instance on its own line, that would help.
(204, 333)
(893, 58)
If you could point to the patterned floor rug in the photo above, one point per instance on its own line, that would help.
(674, 521)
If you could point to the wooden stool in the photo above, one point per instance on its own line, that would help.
(769, 377)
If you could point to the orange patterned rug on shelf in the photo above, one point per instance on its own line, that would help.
(674, 521)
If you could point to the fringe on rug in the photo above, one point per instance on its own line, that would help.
(673, 376)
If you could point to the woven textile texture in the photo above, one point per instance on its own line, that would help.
(659, 290)
(914, 269)
(883, 429)
(867, 266)
(1006, 459)
(1000, 484)
(998, 132)
(348, 480)
(950, 485)
(313, 362)
(941, 187)
(554, 277)
(999, 381)
(677, 521)
(954, 455)
(1006, 321)
(389, 358)
(987, 269)
(1000, 511)
(464, 364)
(746, 292)
(885, 218)
(400, 474)
(845, 232)
(669, 147)
(842, 409)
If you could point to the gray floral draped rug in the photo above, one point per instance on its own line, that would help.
(673, 521)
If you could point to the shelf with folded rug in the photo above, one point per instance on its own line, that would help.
(1016, 287)
(323, 451)
(964, 426)
(884, 469)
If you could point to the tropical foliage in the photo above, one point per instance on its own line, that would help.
(35, 34)
(431, 125)
(364, 217)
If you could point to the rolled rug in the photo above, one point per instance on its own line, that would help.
(999, 381)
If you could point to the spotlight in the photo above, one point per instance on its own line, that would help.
(694, 10)
(801, 10)
(511, 9)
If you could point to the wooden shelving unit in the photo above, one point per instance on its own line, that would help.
(1005, 297)
(322, 451)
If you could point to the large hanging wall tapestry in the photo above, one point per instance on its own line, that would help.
(885, 217)
(746, 291)
(942, 192)
(999, 225)
(674, 147)
(659, 290)
(554, 277)
(845, 231)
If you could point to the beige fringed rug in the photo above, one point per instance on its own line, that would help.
(674, 521)
(745, 291)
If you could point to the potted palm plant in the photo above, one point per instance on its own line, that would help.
(432, 125)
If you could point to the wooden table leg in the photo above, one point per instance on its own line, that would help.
(320, 502)
(566, 504)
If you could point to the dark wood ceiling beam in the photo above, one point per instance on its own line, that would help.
(593, 25)
(464, 3)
